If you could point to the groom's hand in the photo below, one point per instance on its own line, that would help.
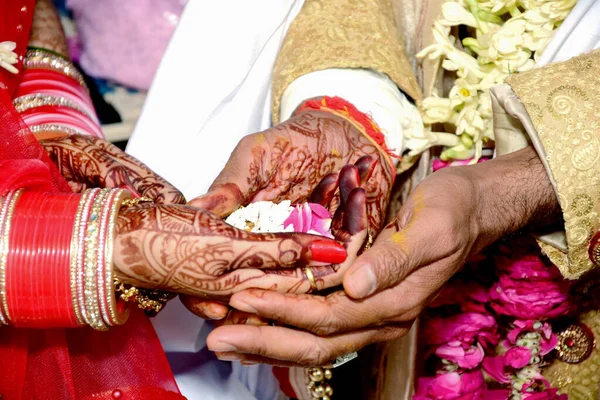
(453, 214)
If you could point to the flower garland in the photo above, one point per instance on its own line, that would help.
(505, 37)
(499, 331)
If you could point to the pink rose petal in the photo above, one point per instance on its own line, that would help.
(517, 357)
(319, 210)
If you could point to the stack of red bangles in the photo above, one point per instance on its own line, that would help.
(53, 97)
(56, 259)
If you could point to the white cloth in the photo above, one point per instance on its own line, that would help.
(369, 91)
(211, 89)
(578, 34)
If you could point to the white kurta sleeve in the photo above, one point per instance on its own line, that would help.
(371, 92)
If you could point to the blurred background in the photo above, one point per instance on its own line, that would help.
(118, 45)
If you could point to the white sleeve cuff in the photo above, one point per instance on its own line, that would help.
(369, 91)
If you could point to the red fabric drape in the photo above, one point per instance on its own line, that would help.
(125, 362)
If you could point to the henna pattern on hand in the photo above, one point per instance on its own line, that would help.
(187, 250)
(86, 161)
(46, 29)
(288, 161)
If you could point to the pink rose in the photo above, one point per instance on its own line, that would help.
(534, 300)
(465, 328)
(467, 357)
(524, 262)
(470, 296)
(496, 369)
(451, 386)
(517, 357)
(310, 218)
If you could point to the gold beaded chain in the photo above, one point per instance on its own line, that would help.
(318, 385)
(149, 300)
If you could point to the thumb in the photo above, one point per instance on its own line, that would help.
(221, 199)
(394, 255)
(237, 181)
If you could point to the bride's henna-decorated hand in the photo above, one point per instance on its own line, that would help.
(287, 162)
(349, 225)
(187, 250)
(87, 162)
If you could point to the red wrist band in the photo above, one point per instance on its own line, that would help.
(348, 111)
(38, 263)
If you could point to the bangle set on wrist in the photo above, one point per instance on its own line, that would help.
(56, 259)
(52, 97)
(37, 58)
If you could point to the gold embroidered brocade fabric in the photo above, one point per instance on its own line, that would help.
(579, 381)
(563, 102)
(342, 34)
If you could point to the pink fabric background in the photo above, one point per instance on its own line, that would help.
(123, 41)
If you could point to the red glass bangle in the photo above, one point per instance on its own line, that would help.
(64, 116)
(37, 80)
(38, 263)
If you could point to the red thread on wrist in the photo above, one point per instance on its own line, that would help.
(347, 110)
(38, 263)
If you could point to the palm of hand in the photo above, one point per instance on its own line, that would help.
(288, 161)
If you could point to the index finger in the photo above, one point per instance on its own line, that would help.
(239, 180)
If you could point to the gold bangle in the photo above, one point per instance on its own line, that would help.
(54, 128)
(112, 315)
(77, 254)
(41, 59)
(6, 213)
(29, 101)
(91, 291)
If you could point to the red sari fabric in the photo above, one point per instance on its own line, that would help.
(126, 362)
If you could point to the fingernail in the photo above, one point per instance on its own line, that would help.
(248, 363)
(228, 356)
(243, 306)
(327, 251)
(222, 346)
(214, 314)
(362, 282)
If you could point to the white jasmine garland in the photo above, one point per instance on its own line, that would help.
(8, 57)
(507, 37)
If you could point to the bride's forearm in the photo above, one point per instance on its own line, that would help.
(46, 30)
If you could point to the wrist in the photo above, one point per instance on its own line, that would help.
(513, 192)
(56, 268)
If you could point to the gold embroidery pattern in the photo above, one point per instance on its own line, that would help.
(579, 381)
(563, 100)
(342, 34)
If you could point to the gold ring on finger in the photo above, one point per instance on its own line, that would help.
(311, 278)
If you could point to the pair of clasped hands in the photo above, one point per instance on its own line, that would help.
(255, 284)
